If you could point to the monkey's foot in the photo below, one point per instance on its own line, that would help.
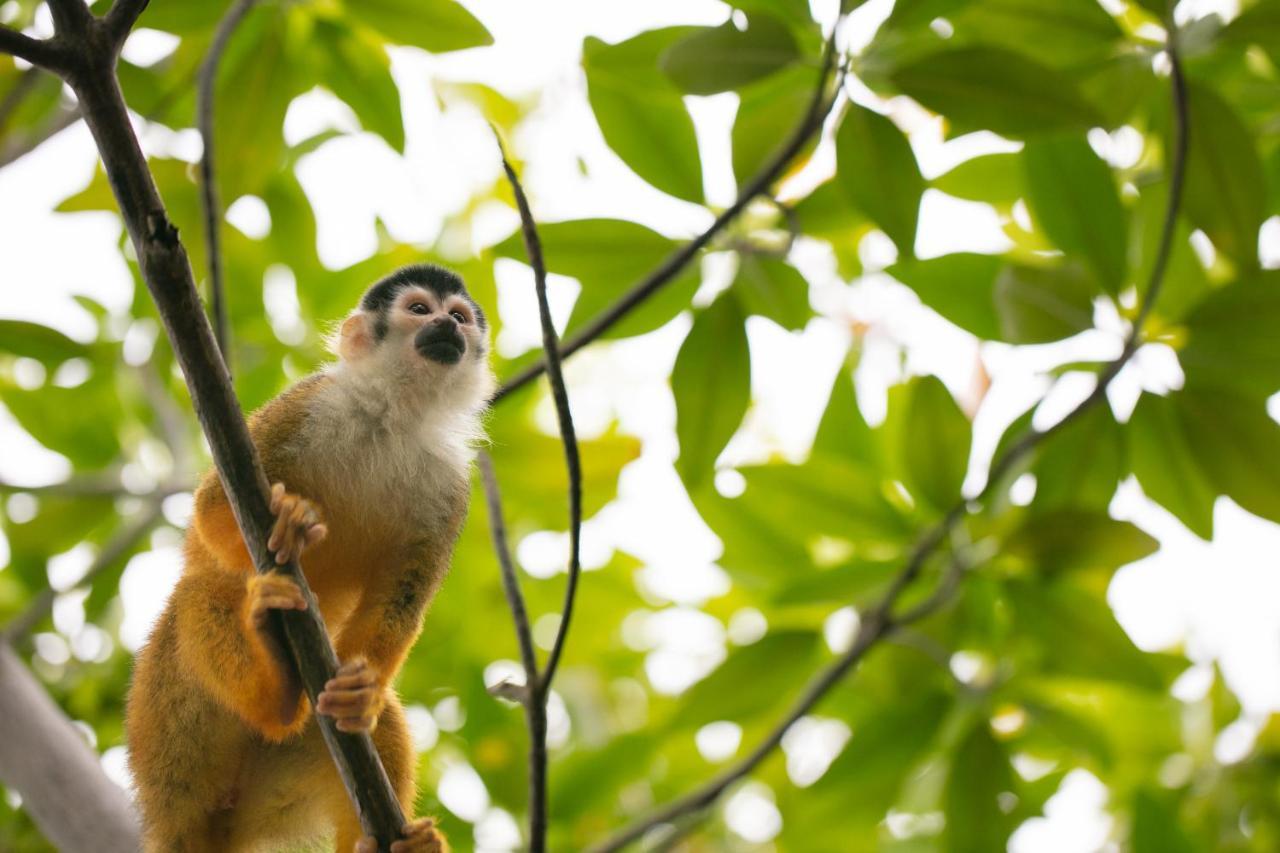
(352, 697)
(298, 525)
(272, 591)
(418, 836)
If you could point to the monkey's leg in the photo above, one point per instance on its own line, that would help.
(395, 746)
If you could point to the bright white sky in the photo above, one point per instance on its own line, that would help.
(1213, 599)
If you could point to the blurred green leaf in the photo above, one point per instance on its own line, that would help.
(1081, 464)
(1073, 196)
(769, 110)
(1234, 440)
(716, 59)
(979, 774)
(960, 287)
(42, 343)
(359, 72)
(438, 26)
(995, 89)
(1069, 540)
(1225, 191)
(1042, 304)
(1155, 825)
(751, 680)
(878, 172)
(711, 381)
(991, 178)
(641, 112)
(1231, 338)
(1062, 33)
(1165, 464)
(768, 287)
(938, 436)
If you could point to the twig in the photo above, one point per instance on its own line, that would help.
(540, 685)
(21, 626)
(814, 117)
(531, 694)
(19, 148)
(44, 53)
(95, 486)
(879, 621)
(92, 47)
(210, 204)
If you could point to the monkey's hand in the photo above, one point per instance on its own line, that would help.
(352, 697)
(418, 836)
(298, 525)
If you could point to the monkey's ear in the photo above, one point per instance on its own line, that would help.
(355, 338)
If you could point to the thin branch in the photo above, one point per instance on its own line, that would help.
(532, 695)
(95, 486)
(19, 148)
(21, 626)
(120, 19)
(211, 206)
(815, 116)
(555, 373)
(879, 621)
(539, 686)
(167, 273)
(510, 582)
(44, 53)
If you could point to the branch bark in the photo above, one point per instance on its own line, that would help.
(44, 53)
(46, 759)
(880, 622)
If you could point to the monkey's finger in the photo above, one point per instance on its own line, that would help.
(366, 845)
(316, 533)
(277, 492)
(348, 683)
(352, 725)
(353, 666)
(346, 703)
(280, 602)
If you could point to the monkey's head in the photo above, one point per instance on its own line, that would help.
(419, 326)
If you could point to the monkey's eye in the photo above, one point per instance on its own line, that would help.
(459, 316)
(419, 308)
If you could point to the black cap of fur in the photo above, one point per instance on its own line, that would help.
(440, 281)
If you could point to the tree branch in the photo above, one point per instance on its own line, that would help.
(879, 622)
(21, 626)
(19, 148)
(814, 117)
(45, 759)
(45, 53)
(210, 205)
(540, 685)
(167, 272)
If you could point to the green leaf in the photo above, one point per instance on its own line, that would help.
(1235, 441)
(1156, 825)
(608, 256)
(768, 287)
(995, 89)
(1165, 464)
(992, 178)
(1076, 634)
(438, 26)
(878, 172)
(641, 113)
(711, 381)
(359, 72)
(90, 440)
(752, 679)
(1041, 304)
(1184, 282)
(1071, 540)
(1073, 197)
(1080, 465)
(1225, 192)
(1231, 338)
(768, 112)
(937, 447)
(1062, 33)
(960, 287)
(979, 774)
(843, 432)
(717, 59)
(42, 343)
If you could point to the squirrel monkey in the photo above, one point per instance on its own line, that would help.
(221, 748)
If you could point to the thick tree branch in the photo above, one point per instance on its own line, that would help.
(539, 686)
(814, 117)
(45, 53)
(206, 86)
(21, 626)
(120, 19)
(45, 759)
(167, 272)
(879, 621)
